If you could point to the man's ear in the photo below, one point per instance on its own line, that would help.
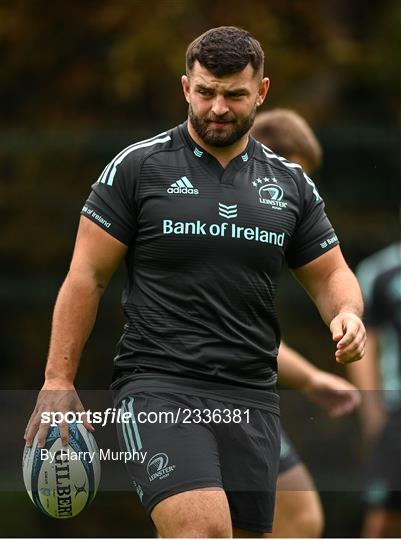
(185, 86)
(262, 92)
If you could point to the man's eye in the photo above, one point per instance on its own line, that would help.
(204, 92)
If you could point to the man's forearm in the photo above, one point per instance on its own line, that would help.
(294, 370)
(73, 319)
(339, 294)
(332, 285)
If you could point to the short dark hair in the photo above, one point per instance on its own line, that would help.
(225, 50)
(288, 134)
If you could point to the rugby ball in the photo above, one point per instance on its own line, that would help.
(62, 480)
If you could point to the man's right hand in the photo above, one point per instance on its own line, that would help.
(53, 398)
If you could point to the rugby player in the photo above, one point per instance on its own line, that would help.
(287, 134)
(205, 217)
(380, 379)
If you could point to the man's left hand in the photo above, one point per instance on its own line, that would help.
(349, 333)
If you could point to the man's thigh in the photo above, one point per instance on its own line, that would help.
(249, 463)
(241, 458)
(177, 457)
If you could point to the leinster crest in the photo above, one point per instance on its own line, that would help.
(270, 192)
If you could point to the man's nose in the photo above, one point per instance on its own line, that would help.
(219, 106)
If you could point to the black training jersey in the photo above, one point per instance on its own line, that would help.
(206, 247)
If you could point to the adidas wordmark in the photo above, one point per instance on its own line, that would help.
(183, 185)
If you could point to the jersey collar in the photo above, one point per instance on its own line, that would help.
(201, 154)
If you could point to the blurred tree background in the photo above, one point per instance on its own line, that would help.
(81, 80)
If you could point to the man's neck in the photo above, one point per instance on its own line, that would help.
(223, 154)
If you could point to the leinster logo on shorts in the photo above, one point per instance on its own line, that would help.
(270, 192)
(158, 467)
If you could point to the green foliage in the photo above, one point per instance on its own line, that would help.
(102, 63)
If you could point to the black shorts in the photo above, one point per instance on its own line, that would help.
(384, 468)
(288, 456)
(202, 442)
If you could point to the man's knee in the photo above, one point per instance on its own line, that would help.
(298, 508)
(298, 514)
(190, 528)
(202, 513)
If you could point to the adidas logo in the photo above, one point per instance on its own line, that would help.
(183, 185)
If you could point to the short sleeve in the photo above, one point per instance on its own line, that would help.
(314, 234)
(111, 203)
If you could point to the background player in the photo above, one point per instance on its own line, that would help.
(379, 377)
(289, 135)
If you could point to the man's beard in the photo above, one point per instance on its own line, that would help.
(226, 137)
